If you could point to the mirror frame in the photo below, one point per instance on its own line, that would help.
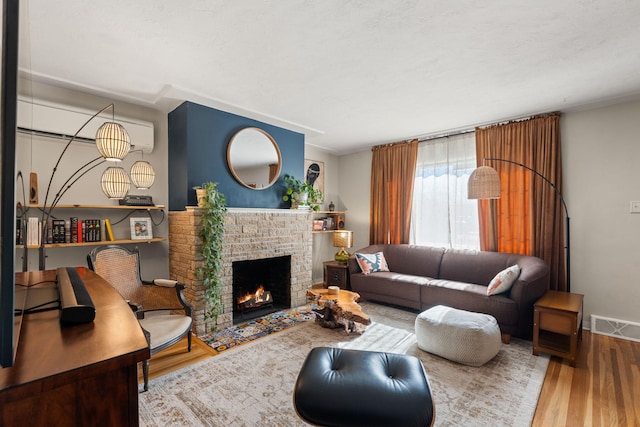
(275, 145)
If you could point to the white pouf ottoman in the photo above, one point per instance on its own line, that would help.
(462, 336)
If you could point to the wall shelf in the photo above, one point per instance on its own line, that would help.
(150, 208)
(328, 214)
(100, 243)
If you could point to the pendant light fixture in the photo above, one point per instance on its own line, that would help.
(142, 175)
(115, 182)
(112, 141)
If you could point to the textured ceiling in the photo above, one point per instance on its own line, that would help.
(347, 74)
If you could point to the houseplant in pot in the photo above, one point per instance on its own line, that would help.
(301, 194)
(212, 233)
(201, 195)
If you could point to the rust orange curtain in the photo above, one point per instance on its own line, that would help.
(529, 216)
(393, 169)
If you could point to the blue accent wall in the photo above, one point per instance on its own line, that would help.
(198, 139)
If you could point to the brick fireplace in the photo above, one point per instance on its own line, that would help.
(250, 234)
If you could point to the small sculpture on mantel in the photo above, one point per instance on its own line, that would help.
(332, 207)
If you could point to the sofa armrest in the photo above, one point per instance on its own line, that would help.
(530, 286)
(354, 268)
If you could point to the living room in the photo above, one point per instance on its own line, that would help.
(598, 116)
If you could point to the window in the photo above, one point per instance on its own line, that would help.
(442, 216)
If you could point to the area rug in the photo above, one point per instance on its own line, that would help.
(252, 385)
(257, 328)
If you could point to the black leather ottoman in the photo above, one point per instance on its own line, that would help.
(337, 387)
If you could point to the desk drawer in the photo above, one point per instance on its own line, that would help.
(558, 322)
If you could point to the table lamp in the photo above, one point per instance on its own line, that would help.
(342, 239)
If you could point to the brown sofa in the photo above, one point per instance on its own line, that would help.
(421, 277)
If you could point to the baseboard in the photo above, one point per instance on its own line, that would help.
(615, 328)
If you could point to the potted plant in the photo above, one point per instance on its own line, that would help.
(201, 194)
(212, 234)
(301, 194)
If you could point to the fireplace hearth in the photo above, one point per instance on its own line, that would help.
(260, 287)
(249, 234)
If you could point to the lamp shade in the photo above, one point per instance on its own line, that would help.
(142, 174)
(115, 182)
(484, 183)
(343, 238)
(112, 141)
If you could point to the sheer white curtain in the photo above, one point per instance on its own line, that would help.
(442, 216)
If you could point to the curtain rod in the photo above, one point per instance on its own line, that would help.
(465, 131)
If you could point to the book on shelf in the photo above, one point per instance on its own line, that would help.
(33, 232)
(19, 236)
(108, 231)
(73, 229)
(59, 231)
(92, 230)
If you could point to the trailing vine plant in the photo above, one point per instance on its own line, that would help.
(212, 234)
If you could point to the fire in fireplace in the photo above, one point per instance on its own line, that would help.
(253, 300)
(260, 287)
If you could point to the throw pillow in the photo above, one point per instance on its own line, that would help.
(372, 263)
(503, 280)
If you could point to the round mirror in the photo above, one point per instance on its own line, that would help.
(254, 158)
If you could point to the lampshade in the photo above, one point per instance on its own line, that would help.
(484, 183)
(142, 174)
(115, 182)
(343, 238)
(112, 141)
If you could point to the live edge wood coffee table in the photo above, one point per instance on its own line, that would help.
(339, 310)
(557, 324)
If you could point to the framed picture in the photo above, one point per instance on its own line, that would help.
(314, 175)
(141, 228)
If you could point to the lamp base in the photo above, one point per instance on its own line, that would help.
(342, 256)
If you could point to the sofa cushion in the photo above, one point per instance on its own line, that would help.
(407, 259)
(372, 263)
(470, 297)
(473, 266)
(503, 281)
(389, 287)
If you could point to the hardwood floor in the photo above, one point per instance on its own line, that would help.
(177, 357)
(603, 390)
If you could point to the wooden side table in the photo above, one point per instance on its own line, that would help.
(336, 274)
(557, 324)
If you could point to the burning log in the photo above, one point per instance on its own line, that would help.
(255, 300)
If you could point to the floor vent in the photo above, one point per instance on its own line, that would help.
(615, 328)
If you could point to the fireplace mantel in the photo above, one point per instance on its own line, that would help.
(250, 233)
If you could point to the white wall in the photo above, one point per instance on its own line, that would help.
(355, 194)
(323, 249)
(601, 164)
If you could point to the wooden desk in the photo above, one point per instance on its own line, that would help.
(73, 375)
(557, 324)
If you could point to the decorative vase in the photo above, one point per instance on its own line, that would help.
(301, 200)
(201, 196)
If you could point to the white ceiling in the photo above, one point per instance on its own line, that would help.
(348, 74)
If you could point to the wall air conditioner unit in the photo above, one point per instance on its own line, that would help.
(63, 121)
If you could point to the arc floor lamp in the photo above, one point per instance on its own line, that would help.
(113, 144)
(484, 183)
